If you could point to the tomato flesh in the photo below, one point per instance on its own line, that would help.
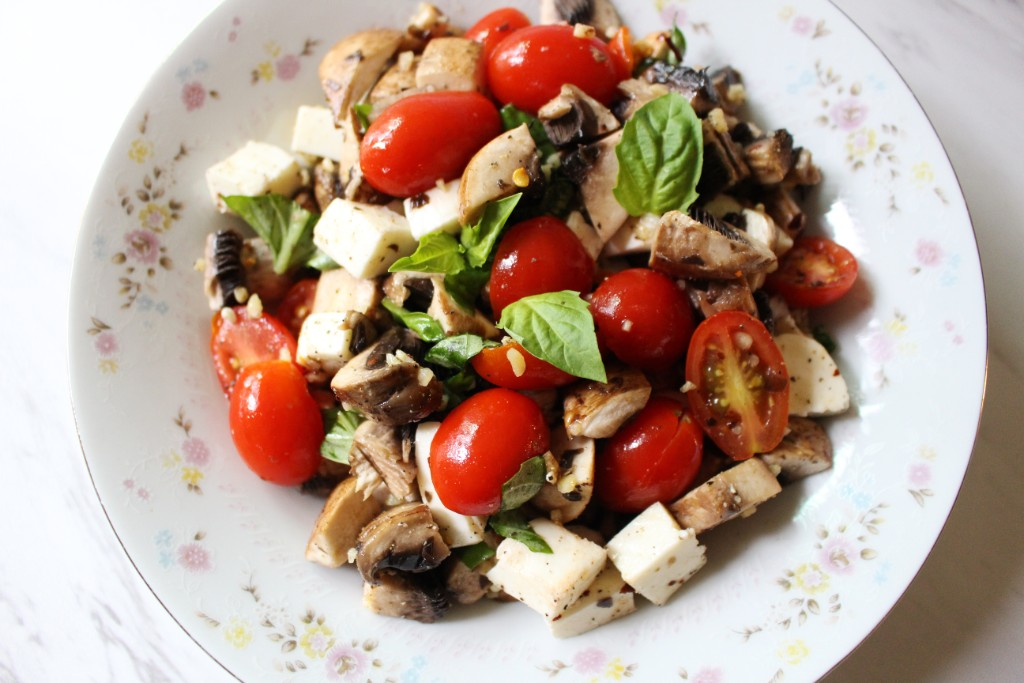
(275, 422)
(815, 272)
(426, 137)
(495, 27)
(296, 305)
(481, 444)
(500, 365)
(654, 457)
(741, 386)
(238, 341)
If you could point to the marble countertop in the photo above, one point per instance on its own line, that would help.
(72, 607)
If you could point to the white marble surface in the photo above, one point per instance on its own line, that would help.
(71, 605)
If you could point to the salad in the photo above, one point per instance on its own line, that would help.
(527, 304)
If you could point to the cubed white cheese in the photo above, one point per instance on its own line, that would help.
(315, 133)
(256, 169)
(547, 583)
(816, 387)
(654, 555)
(365, 239)
(606, 599)
(324, 343)
(456, 530)
(633, 237)
(435, 210)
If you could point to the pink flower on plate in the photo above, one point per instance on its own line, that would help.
(106, 344)
(881, 347)
(287, 67)
(920, 474)
(672, 13)
(196, 451)
(194, 557)
(143, 246)
(708, 676)
(193, 95)
(849, 114)
(928, 253)
(837, 556)
(803, 25)
(345, 663)
(590, 661)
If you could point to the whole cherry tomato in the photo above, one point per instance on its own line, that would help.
(741, 386)
(500, 365)
(815, 272)
(297, 305)
(537, 256)
(495, 27)
(481, 444)
(643, 318)
(426, 137)
(653, 458)
(238, 341)
(530, 66)
(275, 423)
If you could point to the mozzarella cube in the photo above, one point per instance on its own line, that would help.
(816, 387)
(365, 239)
(256, 169)
(633, 237)
(654, 555)
(315, 134)
(456, 530)
(435, 210)
(607, 599)
(325, 342)
(547, 583)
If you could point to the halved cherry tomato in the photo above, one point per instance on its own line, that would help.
(500, 364)
(495, 27)
(535, 257)
(741, 394)
(238, 341)
(481, 444)
(643, 318)
(424, 138)
(653, 458)
(530, 66)
(621, 48)
(296, 305)
(815, 272)
(275, 423)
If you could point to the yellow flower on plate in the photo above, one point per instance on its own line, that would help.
(191, 476)
(861, 143)
(265, 71)
(786, 13)
(793, 651)
(810, 578)
(238, 633)
(317, 640)
(615, 670)
(139, 151)
(171, 460)
(272, 48)
(108, 366)
(155, 217)
(923, 174)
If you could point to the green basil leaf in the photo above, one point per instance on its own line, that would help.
(322, 262)
(524, 484)
(362, 111)
(822, 336)
(457, 388)
(425, 327)
(438, 252)
(676, 45)
(454, 352)
(479, 239)
(465, 285)
(556, 327)
(283, 224)
(473, 555)
(339, 426)
(513, 117)
(660, 157)
(512, 524)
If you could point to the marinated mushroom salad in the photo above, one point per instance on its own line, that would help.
(526, 303)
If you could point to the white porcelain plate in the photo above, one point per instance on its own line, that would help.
(788, 592)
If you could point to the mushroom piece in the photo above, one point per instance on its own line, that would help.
(451, 63)
(223, 273)
(404, 538)
(597, 409)
(337, 528)
(782, 207)
(736, 491)
(693, 84)
(805, 450)
(441, 307)
(728, 83)
(595, 168)
(637, 92)
(724, 165)
(465, 586)
(397, 82)
(713, 296)
(353, 65)
(386, 384)
(574, 116)
(770, 158)
(381, 446)
(567, 498)
(420, 597)
(507, 164)
(804, 171)
(600, 14)
(701, 246)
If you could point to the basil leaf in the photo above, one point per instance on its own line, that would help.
(454, 352)
(438, 252)
(512, 524)
(473, 555)
(822, 336)
(339, 427)
(513, 117)
(676, 46)
(465, 285)
(479, 239)
(457, 388)
(322, 262)
(524, 484)
(425, 327)
(556, 327)
(660, 157)
(362, 111)
(285, 226)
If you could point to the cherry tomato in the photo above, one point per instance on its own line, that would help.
(621, 48)
(425, 137)
(296, 305)
(815, 272)
(530, 66)
(239, 341)
(481, 444)
(495, 27)
(654, 457)
(275, 423)
(741, 399)
(643, 317)
(538, 256)
(498, 366)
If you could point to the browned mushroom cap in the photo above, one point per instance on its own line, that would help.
(404, 538)
(693, 84)
(381, 446)
(770, 158)
(597, 409)
(420, 597)
(465, 586)
(507, 164)
(595, 168)
(600, 14)
(353, 65)
(574, 116)
(724, 165)
(713, 296)
(805, 450)
(701, 246)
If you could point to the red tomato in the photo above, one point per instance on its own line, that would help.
(275, 423)
(425, 137)
(495, 27)
(481, 444)
(643, 317)
(815, 272)
(499, 368)
(653, 458)
(538, 256)
(529, 67)
(741, 397)
(621, 48)
(296, 305)
(241, 341)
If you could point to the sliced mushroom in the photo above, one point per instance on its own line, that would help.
(693, 84)
(404, 538)
(724, 166)
(442, 307)
(381, 446)
(354, 64)
(337, 528)
(728, 83)
(224, 273)
(464, 585)
(704, 247)
(397, 82)
(713, 296)
(805, 450)
(428, 22)
(595, 168)
(784, 210)
(637, 92)
(505, 165)
(573, 116)
(770, 158)
(451, 63)
(328, 183)
(600, 14)
(804, 171)
(419, 597)
(567, 498)
(597, 409)
(736, 491)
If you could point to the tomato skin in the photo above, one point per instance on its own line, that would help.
(239, 342)
(296, 305)
(643, 317)
(621, 48)
(815, 272)
(495, 27)
(741, 394)
(654, 457)
(537, 256)
(494, 366)
(425, 137)
(481, 444)
(275, 423)
(530, 66)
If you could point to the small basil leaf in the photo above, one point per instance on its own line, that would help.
(321, 261)
(465, 285)
(457, 388)
(283, 224)
(473, 555)
(676, 45)
(524, 484)
(339, 427)
(438, 252)
(454, 352)
(511, 524)
(479, 239)
(425, 327)
(362, 111)
(822, 336)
